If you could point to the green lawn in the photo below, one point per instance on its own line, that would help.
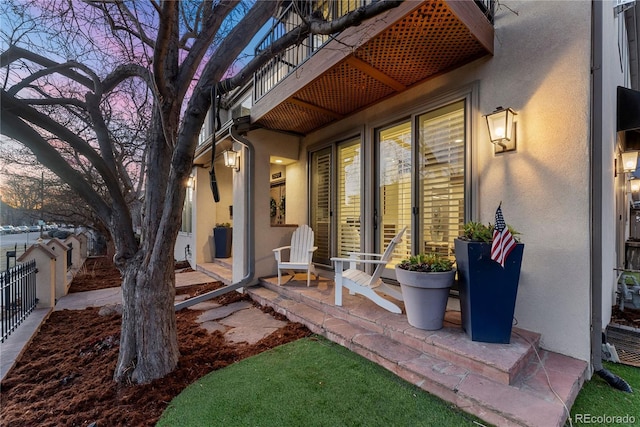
(309, 382)
(314, 382)
(599, 404)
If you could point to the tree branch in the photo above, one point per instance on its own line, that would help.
(13, 106)
(309, 26)
(15, 128)
(15, 53)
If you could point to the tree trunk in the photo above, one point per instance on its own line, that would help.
(148, 341)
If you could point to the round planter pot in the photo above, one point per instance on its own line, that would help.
(425, 296)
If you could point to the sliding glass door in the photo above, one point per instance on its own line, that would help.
(421, 182)
(440, 186)
(394, 210)
(336, 193)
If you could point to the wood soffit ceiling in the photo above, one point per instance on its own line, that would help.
(427, 42)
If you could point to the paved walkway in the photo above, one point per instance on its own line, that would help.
(240, 322)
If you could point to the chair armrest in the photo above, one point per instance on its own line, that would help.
(364, 254)
(354, 261)
(278, 252)
(360, 261)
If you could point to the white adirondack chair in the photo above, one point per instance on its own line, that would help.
(359, 282)
(300, 254)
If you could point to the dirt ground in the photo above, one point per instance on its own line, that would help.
(65, 375)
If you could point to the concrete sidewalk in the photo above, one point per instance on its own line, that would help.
(240, 322)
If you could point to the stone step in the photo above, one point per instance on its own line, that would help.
(217, 272)
(499, 362)
(450, 370)
(224, 262)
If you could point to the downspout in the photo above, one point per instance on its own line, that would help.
(596, 175)
(249, 197)
(249, 239)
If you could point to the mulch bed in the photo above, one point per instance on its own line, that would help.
(628, 317)
(65, 375)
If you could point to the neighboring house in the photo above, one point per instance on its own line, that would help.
(383, 127)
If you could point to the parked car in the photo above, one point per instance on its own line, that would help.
(34, 228)
(22, 229)
(7, 229)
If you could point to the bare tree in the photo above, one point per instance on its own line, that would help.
(61, 110)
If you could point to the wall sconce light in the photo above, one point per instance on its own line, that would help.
(190, 182)
(232, 159)
(502, 130)
(629, 161)
(634, 186)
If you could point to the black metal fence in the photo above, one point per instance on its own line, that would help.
(17, 296)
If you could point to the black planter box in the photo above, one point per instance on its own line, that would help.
(222, 238)
(487, 291)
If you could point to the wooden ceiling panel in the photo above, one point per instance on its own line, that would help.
(295, 118)
(429, 40)
(426, 42)
(344, 89)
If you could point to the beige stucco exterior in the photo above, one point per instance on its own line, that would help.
(46, 276)
(60, 251)
(541, 68)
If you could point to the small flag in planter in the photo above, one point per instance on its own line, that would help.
(503, 241)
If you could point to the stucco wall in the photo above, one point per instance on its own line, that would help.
(541, 68)
(266, 237)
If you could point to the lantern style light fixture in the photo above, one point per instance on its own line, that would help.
(190, 182)
(629, 161)
(231, 159)
(502, 129)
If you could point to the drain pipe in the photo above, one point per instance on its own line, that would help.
(249, 239)
(596, 201)
(249, 197)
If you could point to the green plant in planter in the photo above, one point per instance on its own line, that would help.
(487, 289)
(479, 232)
(426, 263)
(425, 280)
(223, 225)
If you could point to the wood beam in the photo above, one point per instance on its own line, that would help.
(313, 107)
(375, 73)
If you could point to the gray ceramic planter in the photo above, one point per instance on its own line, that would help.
(425, 296)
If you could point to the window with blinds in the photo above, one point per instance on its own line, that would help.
(321, 204)
(187, 211)
(441, 147)
(348, 195)
(394, 188)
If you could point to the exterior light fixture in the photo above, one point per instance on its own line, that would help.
(629, 161)
(502, 129)
(190, 182)
(634, 186)
(232, 159)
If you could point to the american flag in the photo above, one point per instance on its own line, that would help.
(503, 241)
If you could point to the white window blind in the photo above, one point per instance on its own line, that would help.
(394, 192)
(321, 204)
(349, 189)
(441, 177)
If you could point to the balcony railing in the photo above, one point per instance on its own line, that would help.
(279, 67)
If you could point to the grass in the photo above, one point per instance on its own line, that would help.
(314, 382)
(599, 400)
(309, 382)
